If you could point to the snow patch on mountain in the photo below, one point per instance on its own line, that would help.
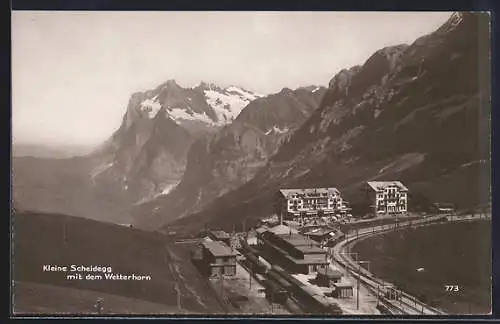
(178, 115)
(277, 130)
(100, 170)
(228, 103)
(244, 93)
(455, 19)
(151, 106)
(165, 190)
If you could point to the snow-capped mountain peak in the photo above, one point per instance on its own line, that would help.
(207, 103)
(151, 106)
(227, 103)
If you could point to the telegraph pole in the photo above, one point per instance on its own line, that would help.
(357, 284)
(272, 302)
(401, 299)
(358, 278)
(221, 285)
(378, 293)
(367, 262)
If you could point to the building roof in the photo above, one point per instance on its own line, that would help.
(219, 234)
(344, 284)
(294, 259)
(292, 223)
(218, 249)
(310, 249)
(283, 229)
(261, 229)
(271, 219)
(251, 233)
(319, 232)
(330, 273)
(310, 290)
(288, 192)
(297, 240)
(381, 185)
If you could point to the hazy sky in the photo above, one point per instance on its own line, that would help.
(73, 72)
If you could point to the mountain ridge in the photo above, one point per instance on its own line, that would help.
(230, 157)
(404, 120)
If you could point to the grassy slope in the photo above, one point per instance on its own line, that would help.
(65, 186)
(33, 298)
(451, 254)
(39, 240)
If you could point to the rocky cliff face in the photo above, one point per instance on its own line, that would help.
(147, 155)
(229, 158)
(417, 113)
(144, 158)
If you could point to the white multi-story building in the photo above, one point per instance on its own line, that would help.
(388, 197)
(314, 202)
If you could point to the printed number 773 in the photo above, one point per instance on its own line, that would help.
(451, 287)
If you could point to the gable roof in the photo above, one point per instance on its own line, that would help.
(283, 229)
(330, 273)
(261, 229)
(320, 232)
(298, 240)
(381, 185)
(217, 248)
(219, 234)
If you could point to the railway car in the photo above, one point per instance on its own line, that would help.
(275, 293)
(255, 264)
(252, 250)
(288, 277)
(316, 304)
(273, 275)
(278, 268)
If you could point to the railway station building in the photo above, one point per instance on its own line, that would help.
(328, 277)
(221, 236)
(215, 258)
(293, 251)
(342, 290)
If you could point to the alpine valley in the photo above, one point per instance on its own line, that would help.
(419, 113)
(147, 156)
(184, 157)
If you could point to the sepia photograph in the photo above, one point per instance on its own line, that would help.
(251, 163)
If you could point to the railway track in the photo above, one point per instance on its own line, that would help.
(301, 299)
(405, 304)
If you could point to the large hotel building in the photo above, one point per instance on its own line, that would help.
(387, 197)
(295, 204)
